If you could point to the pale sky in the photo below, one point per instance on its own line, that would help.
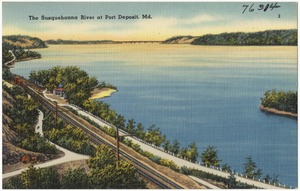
(168, 19)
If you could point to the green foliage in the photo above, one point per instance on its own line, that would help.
(210, 157)
(33, 178)
(185, 170)
(109, 131)
(36, 143)
(146, 154)
(21, 54)
(107, 173)
(140, 131)
(214, 178)
(284, 101)
(30, 178)
(167, 145)
(24, 110)
(6, 55)
(15, 90)
(75, 179)
(130, 127)
(231, 181)
(77, 84)
(103, 111)
(17, 43)
(155, 159)
(154, 136)
(169, 163)
(269, 37)
(49, 178)
(6, 74)
(136, 147)
(14, 183)
(175, 147)
(175, 38)
(190, 153)
(22, 39)
(250, 169)
(24, 116)
(72, 138)
(272, 180)
(226, 168)
(104, 155)
(106, 85)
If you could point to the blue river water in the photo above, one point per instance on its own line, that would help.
(207, 95)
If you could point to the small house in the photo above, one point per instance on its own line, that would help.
(59, 92)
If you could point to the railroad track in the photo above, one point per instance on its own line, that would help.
(142, 169)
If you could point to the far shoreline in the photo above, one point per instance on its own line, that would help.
(278, 112)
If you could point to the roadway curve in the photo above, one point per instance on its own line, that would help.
(11, 61)
(68, 155)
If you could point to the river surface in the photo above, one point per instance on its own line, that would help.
(209, 95)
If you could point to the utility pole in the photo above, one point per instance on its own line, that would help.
(56, 112)
(118, 144)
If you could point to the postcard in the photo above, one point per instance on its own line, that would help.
(149, 95)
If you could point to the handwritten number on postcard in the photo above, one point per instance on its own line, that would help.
(260, 7)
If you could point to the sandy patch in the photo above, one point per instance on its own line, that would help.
(278, 112)
(102, 93)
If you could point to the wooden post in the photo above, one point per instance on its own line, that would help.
(117, 146)
(56, 112)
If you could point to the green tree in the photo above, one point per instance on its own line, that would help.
(169, 163)
(30, 178)
(192, 152)
(140, 131)
(250, 168)
(272, 180)
(6, 73)
(24, 130)
(104, 155)
(49, 178)
(14, 183)
(167, 145)
(130, 127)
(185, 170)
(210, 157)
(107, 173)
(231, 181)
(175, 147)
(226, 168)
(154, 136)
(75, 179)
(120, 121)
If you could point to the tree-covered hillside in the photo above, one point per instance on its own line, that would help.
(18, 46)
(269, 37)
(283, 101)
(180, 40)
(21, 41)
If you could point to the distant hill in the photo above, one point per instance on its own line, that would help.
(59, 41)
(269, 37)
(21, 41)
(180, 40)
